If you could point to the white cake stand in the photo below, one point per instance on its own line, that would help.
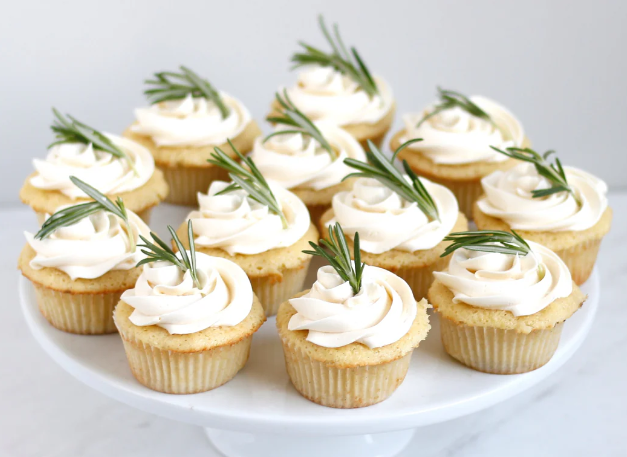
(260, 414)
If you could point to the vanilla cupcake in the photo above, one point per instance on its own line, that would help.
(457, 133)
(345, 93)
(402, 220)
(571, 222)
(263, 229)
(115, 166)
(306, 158)
(502, 302)
(188, 323)
(184, 124)
(80, 267)
(348, 341)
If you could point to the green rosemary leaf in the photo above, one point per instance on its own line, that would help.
(487, 241)
(450, 99)
(249, 179)
(293, 117)
(382, 169)
(73, 214)
(339, 59)
(162, 252)
(554, 173)
(70, 130)
(335, 251)
(175, 86)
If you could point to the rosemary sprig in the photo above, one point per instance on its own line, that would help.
(299, 123)
(487, 241)
(382, 169)
(73, 214)
(162, 252)
(349, 64)
(71, 130)
(450, 99)
(175, 86)
(554, 172)
(249, 179)
(339, 256)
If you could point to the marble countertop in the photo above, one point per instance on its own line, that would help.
(579, 411)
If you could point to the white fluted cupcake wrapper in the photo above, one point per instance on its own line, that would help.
(186, 182)
(499, 351)
(85, 314)
(185, 372)
(580, 259)
(352, 387)
(271, 293)
(420, 278)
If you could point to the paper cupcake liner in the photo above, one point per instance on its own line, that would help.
(580, 259)
(185, 372)
(85, 314)
(466, 193)
(271, 293)
(420, 279)
(353, 387)
(186, 182)
(144, 215)
(499, 351)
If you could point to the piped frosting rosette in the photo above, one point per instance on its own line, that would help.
(191, 121)
(454, 136)
(104, 171)
(386, 221)
(523, 285)
(324, 93)
(166, 296)
(294, 160)
(509, 198)
(381, 313)
(91, 247)
(240, 225)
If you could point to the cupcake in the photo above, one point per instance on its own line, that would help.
(81, 261)
(457, 133)
(562, 208)
(502, 301)
(337, 87)
(306, 157)
(116, 166)
(261, 227)
(186, 120)
(188, 323)
(348, 341)
(402, 219)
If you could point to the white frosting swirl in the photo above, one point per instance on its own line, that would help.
(104, 171)
(191, 121)
(523, 285)
(387, 221)
(240, 225)
(295, 160)
(91, 247)
(455, 136)
(167, 297)
(508, 197)
(323, 93)
(380, 314)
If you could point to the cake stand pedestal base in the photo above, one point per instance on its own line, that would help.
(236, 444)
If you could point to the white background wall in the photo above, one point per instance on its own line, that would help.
(559, 65)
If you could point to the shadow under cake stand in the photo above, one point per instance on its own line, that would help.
(259, 413)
